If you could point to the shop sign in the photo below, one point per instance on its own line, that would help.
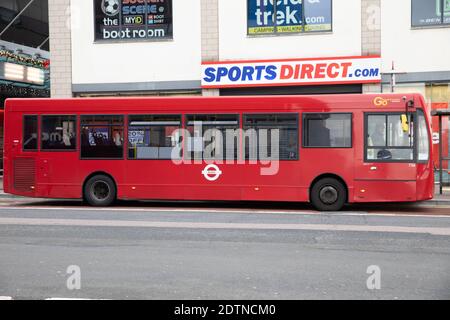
(288, 16)
(291, 72)
(133, 19)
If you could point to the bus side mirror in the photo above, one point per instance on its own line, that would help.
(405, 124)
(408, 105)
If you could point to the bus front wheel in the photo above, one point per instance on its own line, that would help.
(328, 194)
(100, 191)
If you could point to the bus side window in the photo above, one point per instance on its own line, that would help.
(268, 133)
(102, 137)
(327, 130)
(212, 136)
(30, 134)
(58, 133)
(423, 144)
(154, 136)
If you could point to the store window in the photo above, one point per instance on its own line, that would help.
(58, 133)
(327, 130)
(154, 136)
(213, 136)
(430, 13)
(133, 20)
(101, 137)
(266, 133)
(288, 16)
(387, 138)
(30, 133)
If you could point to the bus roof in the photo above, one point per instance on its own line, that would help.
(204, 104)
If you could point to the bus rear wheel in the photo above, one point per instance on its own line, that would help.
(100, 191)
(328, 194)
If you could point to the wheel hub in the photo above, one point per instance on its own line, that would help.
(328, 195)
(100, 190)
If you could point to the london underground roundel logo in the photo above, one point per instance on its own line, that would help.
(212, 172)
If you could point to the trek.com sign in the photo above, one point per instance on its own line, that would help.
(289, 72)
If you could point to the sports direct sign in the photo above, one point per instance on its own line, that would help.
(291, 72)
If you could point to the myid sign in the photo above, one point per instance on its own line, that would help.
(289, 72)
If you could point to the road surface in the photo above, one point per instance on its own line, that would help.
(157, 250)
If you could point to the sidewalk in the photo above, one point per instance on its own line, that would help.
(5, 195)
(438, 200)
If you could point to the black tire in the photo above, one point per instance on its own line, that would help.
(100, 191)
(328, 194)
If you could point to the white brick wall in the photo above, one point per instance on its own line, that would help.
(210, 36)
(60, 48)
(210, 30)
(371, 35)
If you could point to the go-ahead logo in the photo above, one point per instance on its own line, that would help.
(110, 7)
(212, 172)
(381, 102)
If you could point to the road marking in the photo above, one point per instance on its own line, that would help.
(237, 211)
(5, 298)
(75, 299)
(170, 210)
(10, 298)
(219, 225)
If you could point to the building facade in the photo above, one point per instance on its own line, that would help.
(130, 51)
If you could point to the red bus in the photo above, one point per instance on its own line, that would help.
(328, 150)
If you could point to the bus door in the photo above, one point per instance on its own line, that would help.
(387, 171)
